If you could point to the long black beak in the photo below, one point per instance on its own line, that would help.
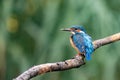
(66, 29)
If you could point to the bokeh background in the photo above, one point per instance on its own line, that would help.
(30, 35)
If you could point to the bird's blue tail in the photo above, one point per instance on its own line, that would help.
(88, 57)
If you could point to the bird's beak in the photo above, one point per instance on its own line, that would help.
(66, 29)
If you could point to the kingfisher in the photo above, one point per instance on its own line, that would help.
(80, 41)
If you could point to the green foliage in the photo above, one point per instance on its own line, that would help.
(30, 35)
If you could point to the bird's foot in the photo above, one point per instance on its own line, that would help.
(79, 54)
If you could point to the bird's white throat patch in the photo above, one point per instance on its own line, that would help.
(72, 32)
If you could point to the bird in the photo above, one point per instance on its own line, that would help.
(80, 41)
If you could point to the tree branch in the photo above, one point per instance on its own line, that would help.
(107, 40)
(75, 62)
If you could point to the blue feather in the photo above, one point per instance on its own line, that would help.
(84, 43)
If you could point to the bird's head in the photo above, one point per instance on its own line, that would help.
(75, 29)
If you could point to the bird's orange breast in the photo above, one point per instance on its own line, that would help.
(73, 45)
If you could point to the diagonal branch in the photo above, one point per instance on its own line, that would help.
(75, 62)
(107, 40)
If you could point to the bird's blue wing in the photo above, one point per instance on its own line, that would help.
(88, 46)
(79, 42)
(84, 43)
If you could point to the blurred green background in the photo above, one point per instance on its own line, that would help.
(30, 35)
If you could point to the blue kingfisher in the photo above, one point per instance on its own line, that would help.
(81, 41)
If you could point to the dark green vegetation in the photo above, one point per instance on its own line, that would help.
(30, 35)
